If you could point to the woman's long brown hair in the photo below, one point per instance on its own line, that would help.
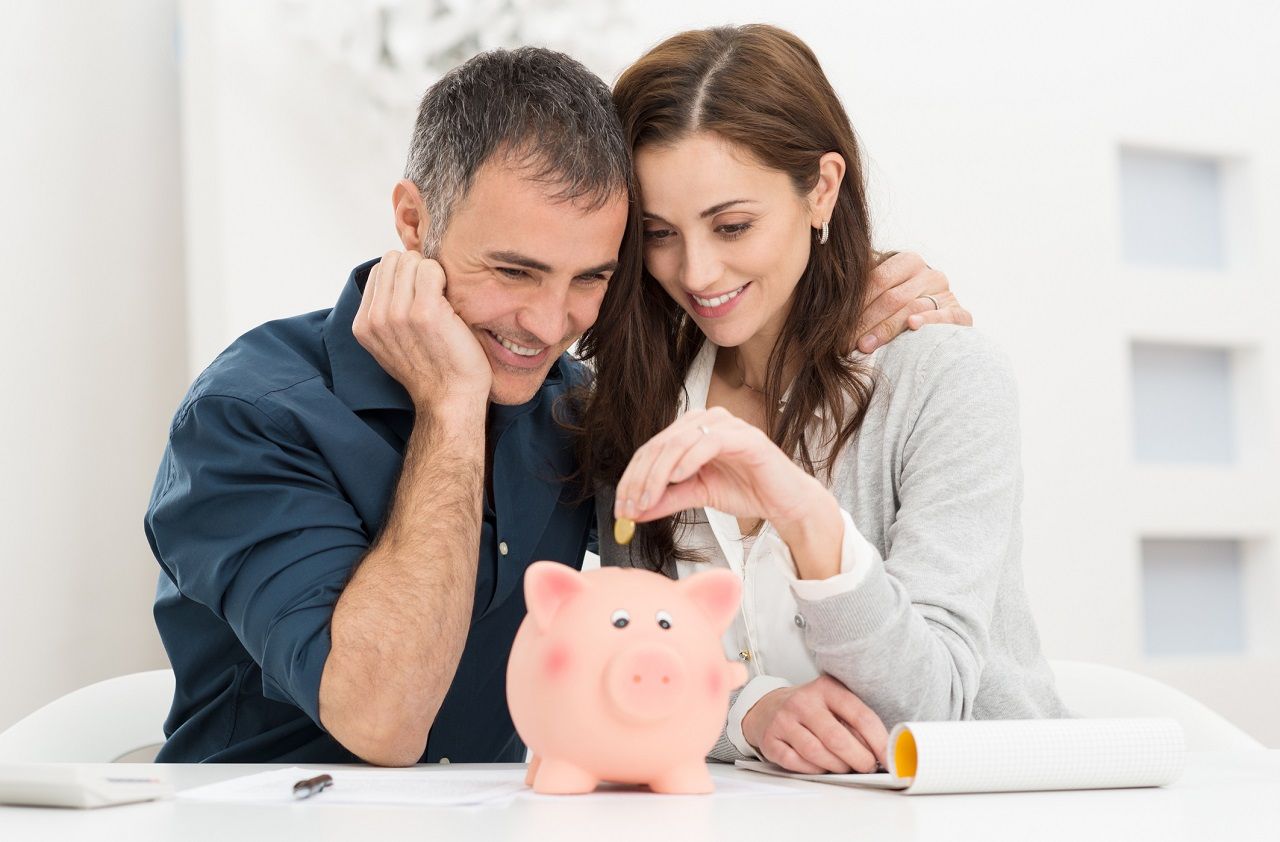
(762, 89)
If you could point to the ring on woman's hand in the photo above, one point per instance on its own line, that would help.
(931, 298)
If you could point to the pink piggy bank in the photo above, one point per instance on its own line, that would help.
(618, 675)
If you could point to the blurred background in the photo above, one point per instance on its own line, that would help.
(1100, 181)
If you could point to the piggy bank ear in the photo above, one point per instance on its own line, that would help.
(717, 593)
(547, 586)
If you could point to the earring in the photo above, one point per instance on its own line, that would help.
(822, 238)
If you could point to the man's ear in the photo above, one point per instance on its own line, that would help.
(411, 215)
(822, 198)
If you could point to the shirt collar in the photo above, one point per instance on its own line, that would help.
(698, 381)
(358, 380)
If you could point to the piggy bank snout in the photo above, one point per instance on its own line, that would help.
(646, 682)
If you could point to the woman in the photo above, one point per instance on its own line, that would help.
(870, 503)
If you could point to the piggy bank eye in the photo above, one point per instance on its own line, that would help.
(664, 619)
(620, 619)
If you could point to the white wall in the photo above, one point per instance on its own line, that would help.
(287, 181)
(92, 355)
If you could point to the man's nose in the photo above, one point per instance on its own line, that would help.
(545, 314)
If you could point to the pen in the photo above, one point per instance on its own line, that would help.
(311, 786)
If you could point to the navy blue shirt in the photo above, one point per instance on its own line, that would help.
(281, 464)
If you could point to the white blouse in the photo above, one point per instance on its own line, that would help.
(767, 634)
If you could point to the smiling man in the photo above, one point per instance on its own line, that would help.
(349, 499)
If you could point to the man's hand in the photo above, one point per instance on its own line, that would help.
(410, 328)
(904, 290)
(815, 728)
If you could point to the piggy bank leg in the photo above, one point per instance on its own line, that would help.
(534, 762)
(557, 777)
(686, 779)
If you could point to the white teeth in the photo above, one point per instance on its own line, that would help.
(517, 349)
(717, 301)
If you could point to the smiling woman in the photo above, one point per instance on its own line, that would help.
(741, 256)
(870, 504)
(737, 173)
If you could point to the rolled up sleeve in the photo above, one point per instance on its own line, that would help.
(252, 524)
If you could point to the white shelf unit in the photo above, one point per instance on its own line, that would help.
(1202, 493)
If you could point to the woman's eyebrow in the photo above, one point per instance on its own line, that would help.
(715, 209)
(711, 211)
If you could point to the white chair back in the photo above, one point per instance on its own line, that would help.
(1098, 691)
(99, 724)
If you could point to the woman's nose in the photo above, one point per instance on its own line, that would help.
(701, 269)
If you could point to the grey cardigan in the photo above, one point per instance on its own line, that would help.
(942, 629)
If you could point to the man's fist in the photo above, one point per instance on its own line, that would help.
(410, 328)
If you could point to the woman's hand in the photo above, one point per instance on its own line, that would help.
(815, 728)
(712, 458)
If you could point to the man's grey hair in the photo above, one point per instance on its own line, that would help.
(546, 110)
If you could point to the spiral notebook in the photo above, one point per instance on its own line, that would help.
(1020, 755)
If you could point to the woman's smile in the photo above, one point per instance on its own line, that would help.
(716, 306)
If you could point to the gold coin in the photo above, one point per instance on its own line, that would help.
(623, 529)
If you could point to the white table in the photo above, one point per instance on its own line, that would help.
(1220, 796)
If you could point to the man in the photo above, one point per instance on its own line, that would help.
(349, 499)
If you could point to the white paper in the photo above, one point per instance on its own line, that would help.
(446, 786)
(1044, 754)
(412, 787)
(1024, 755)
(873, 780)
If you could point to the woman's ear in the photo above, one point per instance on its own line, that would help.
(411, 215)
(822, 198)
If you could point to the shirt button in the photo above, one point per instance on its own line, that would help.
(800, 621)
(502, 548)
(444, 760)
